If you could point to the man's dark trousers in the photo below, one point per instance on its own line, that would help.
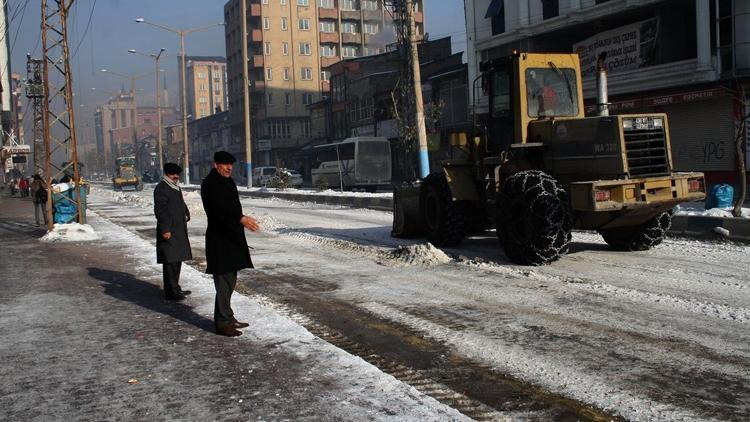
(171, 273)
(225, 283)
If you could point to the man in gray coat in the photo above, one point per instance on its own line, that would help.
(172, 243)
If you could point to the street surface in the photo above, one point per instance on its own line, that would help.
(659, 334)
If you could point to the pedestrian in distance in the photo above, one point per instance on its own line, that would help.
(39, 198)
(226, 247)
(23, 185)
(172, 243)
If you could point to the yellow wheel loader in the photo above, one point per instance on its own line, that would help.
(540, 168)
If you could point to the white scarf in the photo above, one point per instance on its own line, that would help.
(170, 183)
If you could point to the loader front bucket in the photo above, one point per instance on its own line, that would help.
(406, 213)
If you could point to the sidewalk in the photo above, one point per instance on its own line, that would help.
(86, 335)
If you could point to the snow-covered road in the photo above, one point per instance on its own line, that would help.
(661, 334)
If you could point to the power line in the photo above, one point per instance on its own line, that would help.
(85, 31)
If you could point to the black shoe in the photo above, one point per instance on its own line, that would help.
(184, 292)
(177, 297)
(238, 324)
(227, 331)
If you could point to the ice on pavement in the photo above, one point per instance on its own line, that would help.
(72, 232)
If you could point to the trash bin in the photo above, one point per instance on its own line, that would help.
(720, 196)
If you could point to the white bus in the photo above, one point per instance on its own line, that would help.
(354, 163)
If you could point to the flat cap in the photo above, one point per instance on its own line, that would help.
(172, 168)
(223, 157)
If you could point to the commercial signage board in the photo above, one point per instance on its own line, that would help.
(628, 47)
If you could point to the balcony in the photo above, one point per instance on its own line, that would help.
(351, 38)
(350, 14)
(255, 10)
(373, 15)
(259, 85)
(257, 35)
(327, 61)
(329, 37)
(326, 13)
(257, 60)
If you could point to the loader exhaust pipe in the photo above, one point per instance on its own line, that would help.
(602, 97)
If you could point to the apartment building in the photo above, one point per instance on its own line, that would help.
(205, 85)
(289, 43)
(686, 58)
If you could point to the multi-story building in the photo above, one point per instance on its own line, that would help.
(687, 58)
(289, 43)
(205, 85)
(115, 131)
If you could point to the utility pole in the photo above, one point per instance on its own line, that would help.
(246, 96)
(158, 113)
(135, 114)
(35, 93)
(424, 160)
(59, 112)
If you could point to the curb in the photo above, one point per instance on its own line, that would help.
(700, 227)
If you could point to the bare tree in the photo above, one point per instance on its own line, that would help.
(739, 144)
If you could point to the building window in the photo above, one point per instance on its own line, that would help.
(327, 50)
(370, 28)
(267, 48)
(369, 51)
(123, 118)
(266, 23)
(306, 73)
(307, 99)
(304, 49)
(285, 48)
(303, 2)
(265, 2)
(304, 24)
(305, 128)
(269, 99)
(350, 51)
(283, 2)
(328, 4)
(269, 74)
(277, 129)
(327, 26)
(348, 4)
(287, 99)
(201, 75)
(369, 5)
(284, 24)
(496, 12)
(325, 75)
(550, 8)
(202, 100)
(349, 28)
(286, 73)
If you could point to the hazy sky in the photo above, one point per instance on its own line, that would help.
(112, 31)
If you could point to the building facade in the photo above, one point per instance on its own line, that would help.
(290, 42)
(205, 85)
(206, 136)
(686, 58)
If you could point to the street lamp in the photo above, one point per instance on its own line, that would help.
(156, 58)
(133, 77)
(182, 33)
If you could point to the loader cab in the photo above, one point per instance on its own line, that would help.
(526, 87)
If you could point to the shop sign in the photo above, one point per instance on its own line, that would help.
(628, 47)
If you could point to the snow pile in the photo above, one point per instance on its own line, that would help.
(423, 254)
(327, 192)
(72, 232)
(698, 209)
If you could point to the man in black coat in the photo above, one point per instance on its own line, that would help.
(226, 246)
(172, 243)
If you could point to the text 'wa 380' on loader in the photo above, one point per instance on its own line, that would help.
(541, 168)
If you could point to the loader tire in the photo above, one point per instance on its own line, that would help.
(534, 218)
(640, 238)
(442, 217)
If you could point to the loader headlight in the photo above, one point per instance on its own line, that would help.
(627, 124)
(658, 122)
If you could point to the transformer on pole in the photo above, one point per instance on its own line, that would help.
(58, 109)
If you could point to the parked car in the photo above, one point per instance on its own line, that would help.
(295, 178)
(263, 175)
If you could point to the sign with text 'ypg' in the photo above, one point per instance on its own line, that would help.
(627, 47)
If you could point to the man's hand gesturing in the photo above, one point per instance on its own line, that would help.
(250, 223)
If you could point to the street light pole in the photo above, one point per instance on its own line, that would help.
(156, 58)
(246, 96)
(182, 33)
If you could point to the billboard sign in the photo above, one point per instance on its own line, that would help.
(628, 47)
